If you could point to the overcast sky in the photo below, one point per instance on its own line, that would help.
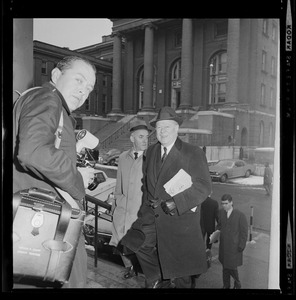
(71, 33)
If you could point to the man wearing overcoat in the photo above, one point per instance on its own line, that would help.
(167, 236)
(233, 228)
(128, 193)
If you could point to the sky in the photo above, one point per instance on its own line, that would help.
(71, 33)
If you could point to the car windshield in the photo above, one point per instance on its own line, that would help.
(225, 163)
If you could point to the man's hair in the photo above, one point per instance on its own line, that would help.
(226, 197)
(66, 62)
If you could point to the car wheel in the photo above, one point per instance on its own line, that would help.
(223, 178)
(248, 173)
(89, 233)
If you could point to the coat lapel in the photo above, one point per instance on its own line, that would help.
(156, 163)
(170, 166)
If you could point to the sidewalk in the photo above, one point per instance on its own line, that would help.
(252, 180)
(253, 273)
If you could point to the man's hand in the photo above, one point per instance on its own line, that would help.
(154, 202)
(169, 206)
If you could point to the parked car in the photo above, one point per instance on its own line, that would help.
(110, 158)
(103, 191)
(230, 168)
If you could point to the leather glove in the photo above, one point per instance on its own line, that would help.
(154, 202)
(169, 206)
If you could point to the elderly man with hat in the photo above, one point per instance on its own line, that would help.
(167, 237)
(128, 194)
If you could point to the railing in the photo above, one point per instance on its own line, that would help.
(152, 137)
(98, 203)
(116, 135)
(105, 143)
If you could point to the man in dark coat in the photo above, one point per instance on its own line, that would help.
(267, 179)
(38, 162)
(209, 211)
(166, 236)
(233, 228)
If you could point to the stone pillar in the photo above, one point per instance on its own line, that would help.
(148, 68)
(233, 60)
(23, 62)
(117, 74)
(129, 105)
(186, 65)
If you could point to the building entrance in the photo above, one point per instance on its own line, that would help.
(175, 100)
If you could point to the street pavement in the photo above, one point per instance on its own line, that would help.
(252, 180)
(253, 273)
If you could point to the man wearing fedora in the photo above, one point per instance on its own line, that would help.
(128, 194)
(167, 237)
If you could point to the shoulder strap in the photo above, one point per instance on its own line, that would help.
(59, 130)
(57, 143)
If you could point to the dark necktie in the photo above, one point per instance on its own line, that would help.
(164, 154)
(136, 155)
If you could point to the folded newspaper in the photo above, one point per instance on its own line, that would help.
(179, 183)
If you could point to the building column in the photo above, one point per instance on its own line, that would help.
(186, 65)
(117, 74)
(129, 104)
(148, 68)
(233, 60)
(23, 62)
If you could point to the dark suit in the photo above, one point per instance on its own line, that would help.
(233, 239)
(180, 244)
(208, 218)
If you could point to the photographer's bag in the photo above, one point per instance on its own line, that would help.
(46, 232)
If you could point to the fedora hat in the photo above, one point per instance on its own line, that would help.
(167, 113)
(138, 124)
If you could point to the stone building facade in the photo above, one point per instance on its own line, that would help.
(219, 74)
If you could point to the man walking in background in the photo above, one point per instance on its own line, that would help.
(233, 228)
(267, 179)
(208, 219)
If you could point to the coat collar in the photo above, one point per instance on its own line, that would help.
(51, 86)
(162, 169)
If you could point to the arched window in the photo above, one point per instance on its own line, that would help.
(244, 137)
(176, 84)
(218, 78)
(141, 88)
